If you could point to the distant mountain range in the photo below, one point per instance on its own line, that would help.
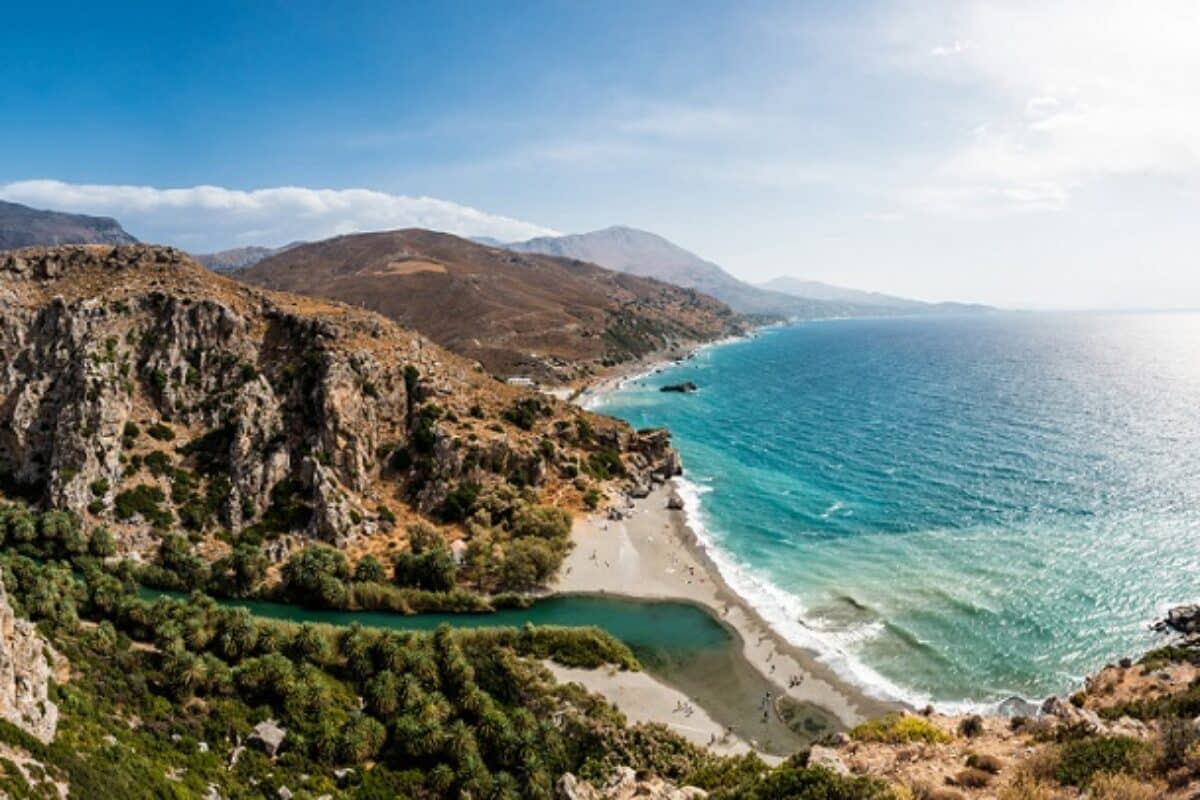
(883, 303)
(648, 254)
(624, 249)
(22, 226)
(239, 257)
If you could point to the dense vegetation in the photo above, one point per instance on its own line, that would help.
(164, 690)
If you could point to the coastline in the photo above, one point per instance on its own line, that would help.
(653, 554)
(588, 393)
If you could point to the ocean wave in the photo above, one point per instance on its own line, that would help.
(788, 617)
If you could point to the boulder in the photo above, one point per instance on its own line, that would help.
(1183, 619)
(1072, 716)
(267, 736)
(623, 784)
(827, 757)
(681, 388)
(675, 503)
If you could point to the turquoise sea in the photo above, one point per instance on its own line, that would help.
(959, 509)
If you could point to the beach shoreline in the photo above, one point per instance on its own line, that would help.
(652, 553)
(591, 391)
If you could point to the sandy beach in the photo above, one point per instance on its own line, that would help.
(653, 554)
(642, 698)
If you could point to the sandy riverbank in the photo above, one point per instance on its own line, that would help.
(642, 698)
(653, 554)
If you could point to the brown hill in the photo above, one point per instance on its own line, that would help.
(140, 391)
(517, 314)
(22, 226)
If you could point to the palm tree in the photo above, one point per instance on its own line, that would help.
(186, 673)
(382, 694)
(239, 634)
(310, 644)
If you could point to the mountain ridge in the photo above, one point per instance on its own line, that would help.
(23, 226)
(645, 253)
(819, 290)
(236, 258)
(529, 315)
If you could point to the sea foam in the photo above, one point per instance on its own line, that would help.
(786, 615)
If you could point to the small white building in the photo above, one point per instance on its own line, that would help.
(458, 549)
(521, 381)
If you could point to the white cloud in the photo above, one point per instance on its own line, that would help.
(212, 217)
(1076, 91)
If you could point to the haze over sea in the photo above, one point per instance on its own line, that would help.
(958, 509)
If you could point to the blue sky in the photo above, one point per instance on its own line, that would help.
(1033, 154)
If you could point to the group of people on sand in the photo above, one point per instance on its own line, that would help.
(684, 707)
(712, 739)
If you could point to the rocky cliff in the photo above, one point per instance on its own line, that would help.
(141, 391)
(25, 672)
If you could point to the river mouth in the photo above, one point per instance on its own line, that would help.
(678, 643)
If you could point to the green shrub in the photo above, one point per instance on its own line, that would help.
(970, 726)
(211, 451)
(528, 564)
(1081, 759)
(525, 412)
(158, 462)
(899, 729)
(370, 570)
(1160, 657)
(424, 433)
(427, 563)
(289, 509)
(605, 464)
(146, 500)
(790, 782)
(460, 502)
(591, 499)
(160, 432)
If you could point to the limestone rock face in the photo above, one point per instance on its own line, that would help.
(265, 388)
(624, 785)
(125, 368)
(25, 674)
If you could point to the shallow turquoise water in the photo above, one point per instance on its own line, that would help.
(659, 632)
(958, 508)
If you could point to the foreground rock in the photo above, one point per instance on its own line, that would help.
(25, 673)
(624, 785)
(1183, 619)
(267, 736)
